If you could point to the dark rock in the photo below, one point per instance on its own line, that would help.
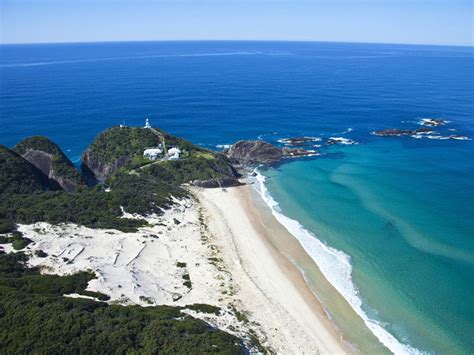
(47, 157)
(246, 153)
(433, 122)
(395, 132)
(44, 162)
(99, 170)
(340, 140)
(297, 152)
(299, 141)
(259, 152)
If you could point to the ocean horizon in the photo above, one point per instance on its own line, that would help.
(397, 211)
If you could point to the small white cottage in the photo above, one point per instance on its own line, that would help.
(174, 153)
(152, 153)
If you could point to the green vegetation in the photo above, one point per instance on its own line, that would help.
(34, 315)
(204, 308)
(118, 142)
(17, 175)
(93, 207)
(18, 241)
(187, 280)
(39, 143)
(241, 316)
(62, 166)
(41, 254)
(6, 227)
(35, 318)
(126, 145)
(196, 167)
(141, 193)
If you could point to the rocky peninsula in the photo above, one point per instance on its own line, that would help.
(148, 233)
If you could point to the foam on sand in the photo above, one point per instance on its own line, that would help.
(336, 267)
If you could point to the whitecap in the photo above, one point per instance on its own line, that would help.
(288, 141)
(340, 140)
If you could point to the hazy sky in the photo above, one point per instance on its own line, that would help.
(386, 21)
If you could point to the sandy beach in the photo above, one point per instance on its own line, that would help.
(271, 288)
(219, 248)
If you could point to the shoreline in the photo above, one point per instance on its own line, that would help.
(303, 324)
(234, 254)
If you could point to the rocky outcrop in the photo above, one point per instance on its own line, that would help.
(97, 170)
(44, 163)
(254, 152)
(395, 132)
(433, 122)
(261, 152)
(297, 152)
(299, 141)
(48, 158)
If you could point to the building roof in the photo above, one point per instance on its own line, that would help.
(152, 151)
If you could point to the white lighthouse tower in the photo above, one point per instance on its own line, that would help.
(147, 123)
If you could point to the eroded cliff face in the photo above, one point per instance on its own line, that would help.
(45, 163)
(97, 170)
(48, 158)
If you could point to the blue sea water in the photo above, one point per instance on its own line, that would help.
(400, 208)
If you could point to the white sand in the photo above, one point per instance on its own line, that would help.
(269, 286)
(226, 257)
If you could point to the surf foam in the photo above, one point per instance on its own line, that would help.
(336, 267)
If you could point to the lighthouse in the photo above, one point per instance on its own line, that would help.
(147, 123)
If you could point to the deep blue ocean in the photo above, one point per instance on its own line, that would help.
(401, 209)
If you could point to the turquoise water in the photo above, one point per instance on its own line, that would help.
(407, 231)
(400, 208)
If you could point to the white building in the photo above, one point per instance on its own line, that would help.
(147, 124)
(152, 153)
(174, 153)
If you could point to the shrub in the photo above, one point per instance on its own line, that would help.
(35, 318)
(40, 254)
(6, 226)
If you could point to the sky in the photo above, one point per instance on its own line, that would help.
(441, 22)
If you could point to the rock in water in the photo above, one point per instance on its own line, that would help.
(261, 152)
(395, 132)
(433, 122)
